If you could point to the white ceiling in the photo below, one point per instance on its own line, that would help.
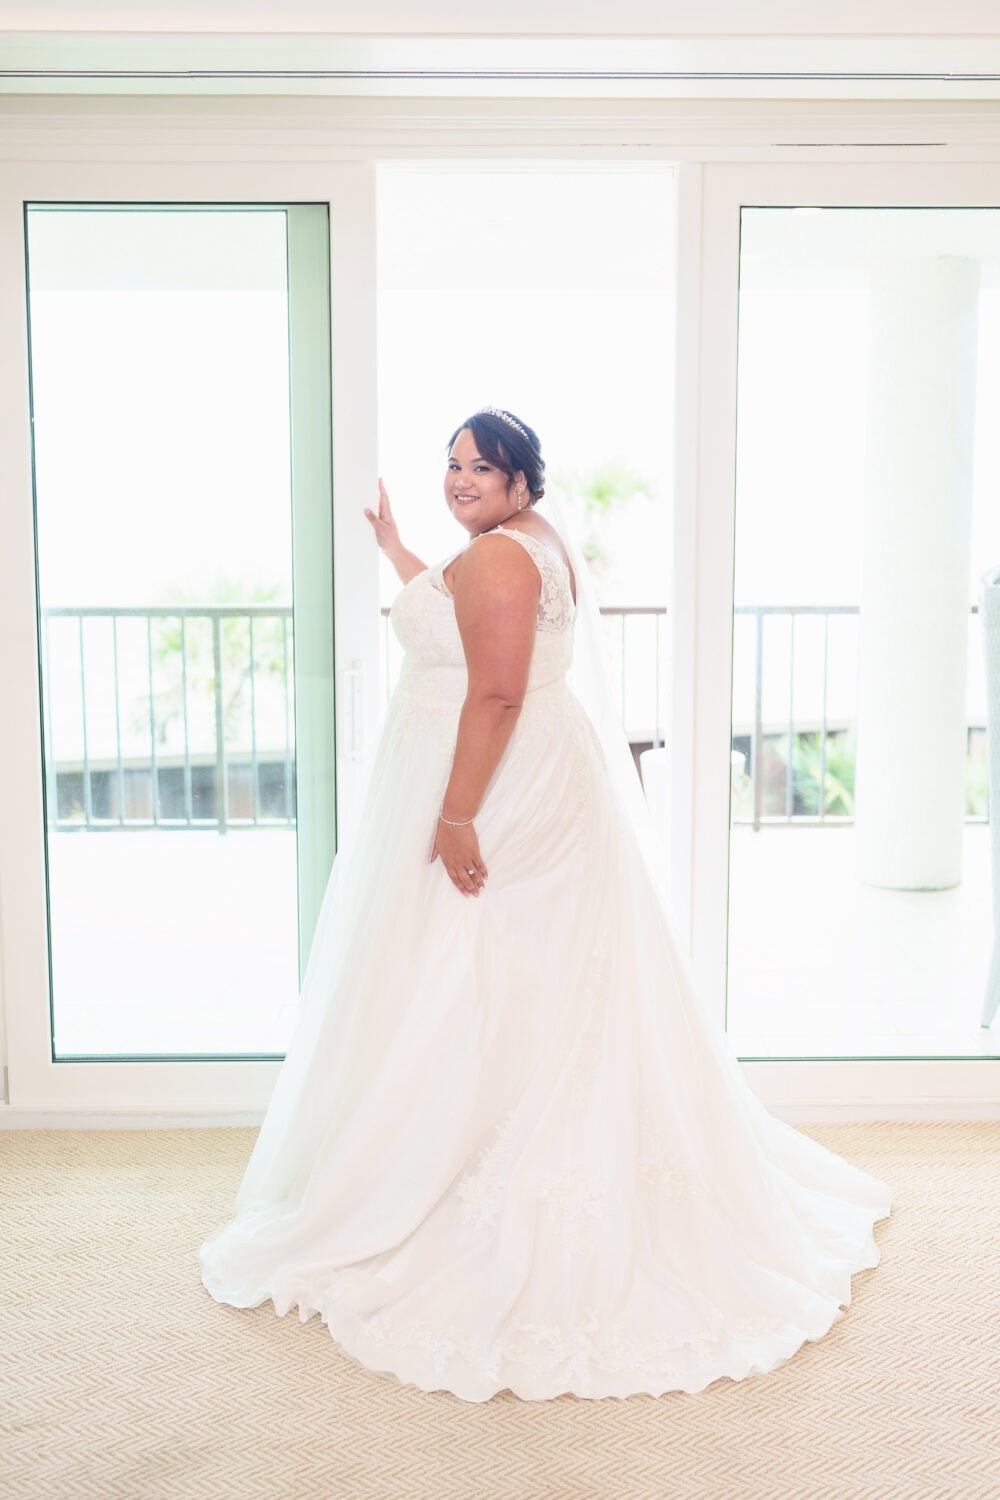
(832, 49)
(664, 18)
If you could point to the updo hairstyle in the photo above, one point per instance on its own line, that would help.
(506, 448)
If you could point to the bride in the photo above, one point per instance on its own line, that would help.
(508, 1149)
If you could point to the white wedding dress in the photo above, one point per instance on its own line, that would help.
(507, 1148)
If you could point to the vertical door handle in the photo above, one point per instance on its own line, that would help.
(350, 706)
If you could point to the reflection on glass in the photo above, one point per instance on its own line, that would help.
(159, 363)
(867, 470)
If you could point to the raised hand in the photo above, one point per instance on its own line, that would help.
(384, 524)
(407, 564)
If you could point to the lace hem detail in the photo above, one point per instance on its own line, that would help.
(573, 1353)
(574, 1200)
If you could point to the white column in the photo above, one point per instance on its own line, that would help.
(915, 592)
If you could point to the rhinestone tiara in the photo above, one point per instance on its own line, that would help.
(494, 411)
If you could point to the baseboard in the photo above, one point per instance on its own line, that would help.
(808, 1112)
(27, 1119)
(850, 1112)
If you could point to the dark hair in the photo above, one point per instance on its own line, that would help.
(508, 449)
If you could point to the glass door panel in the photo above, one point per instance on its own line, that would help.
(165, 342)
(868, 464)
(571, 327)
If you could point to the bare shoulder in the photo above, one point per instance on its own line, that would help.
(500, 558)
(489, 562)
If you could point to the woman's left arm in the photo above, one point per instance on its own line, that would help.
(496, 590)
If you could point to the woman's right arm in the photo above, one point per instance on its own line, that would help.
(407, 564)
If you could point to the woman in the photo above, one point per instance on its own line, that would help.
(507, 1149)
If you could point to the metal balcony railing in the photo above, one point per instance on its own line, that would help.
(214, 691)
(771, 747)
(208, 756)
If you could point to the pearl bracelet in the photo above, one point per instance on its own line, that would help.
(451, 824)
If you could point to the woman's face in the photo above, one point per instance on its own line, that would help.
(478, 494)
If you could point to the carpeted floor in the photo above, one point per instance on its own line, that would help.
(120, 1378)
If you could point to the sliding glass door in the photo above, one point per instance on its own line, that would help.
(845, 898)
(866, 515)
(180, 394)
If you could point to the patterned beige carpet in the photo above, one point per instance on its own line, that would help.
(121, 1378)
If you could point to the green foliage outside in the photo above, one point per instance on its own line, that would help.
(841, 752)
(593, 495)
(269, 656)
(841, 756)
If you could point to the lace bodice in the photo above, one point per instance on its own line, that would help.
(555, 603)
(423, 618)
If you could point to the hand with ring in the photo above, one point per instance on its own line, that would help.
(459, 851)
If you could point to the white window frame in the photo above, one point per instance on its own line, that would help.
(796, 1088)
(114, 157)
(192, 1089)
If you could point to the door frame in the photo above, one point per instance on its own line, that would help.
(34, 1082)
(878, 1088)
